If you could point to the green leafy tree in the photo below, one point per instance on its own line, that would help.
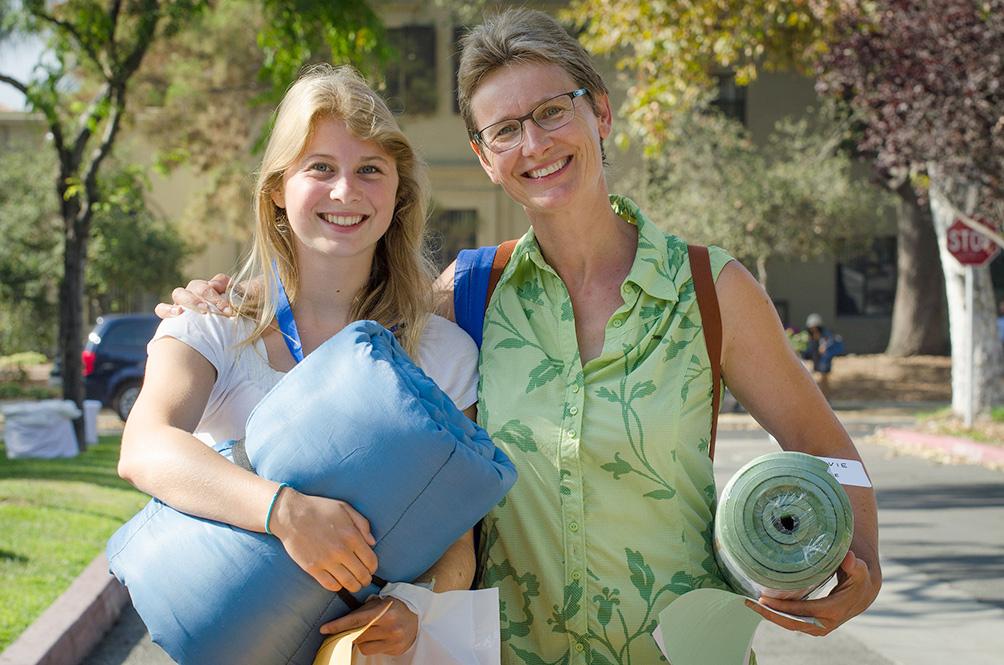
(81, 88)
(135, 253)
(672, 51)
(794, 197)
(29, 253)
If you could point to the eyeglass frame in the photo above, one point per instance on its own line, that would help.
(478, 136)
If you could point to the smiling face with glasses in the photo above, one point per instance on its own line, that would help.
(549, 115)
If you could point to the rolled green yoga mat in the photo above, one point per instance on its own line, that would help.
(783, 526)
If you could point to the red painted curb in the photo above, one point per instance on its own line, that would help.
(74, 624)
(971, 451)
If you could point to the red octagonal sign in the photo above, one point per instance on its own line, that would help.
(970, 247)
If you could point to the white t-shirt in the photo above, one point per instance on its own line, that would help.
(243, 376)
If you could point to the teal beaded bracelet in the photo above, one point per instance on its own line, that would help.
(271, 505)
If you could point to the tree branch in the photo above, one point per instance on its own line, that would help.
(11, 81)
(113, 16)
(71, 30)
(90, 179)
(144, 36)
(88, 120)
(50, 113)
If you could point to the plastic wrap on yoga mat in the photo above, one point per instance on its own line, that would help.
(782, 527)
(357, 421)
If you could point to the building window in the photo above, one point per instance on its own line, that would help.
(451, 231)
(411, 73)
(731, 99)
(866, 284)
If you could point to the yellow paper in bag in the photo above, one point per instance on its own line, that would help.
(338, 649)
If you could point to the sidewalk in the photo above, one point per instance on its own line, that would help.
(897, 431)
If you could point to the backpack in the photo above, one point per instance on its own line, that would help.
(477, 272)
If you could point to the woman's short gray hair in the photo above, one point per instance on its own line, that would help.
(516, 36)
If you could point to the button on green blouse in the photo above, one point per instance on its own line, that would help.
(611, 517)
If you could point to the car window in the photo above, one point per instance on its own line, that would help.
(130, 333)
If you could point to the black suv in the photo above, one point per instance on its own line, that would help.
(114, 359)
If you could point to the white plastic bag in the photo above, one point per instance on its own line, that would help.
(455, 627)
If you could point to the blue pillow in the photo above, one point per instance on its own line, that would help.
(357, 421)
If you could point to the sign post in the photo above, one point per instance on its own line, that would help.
(972, 249)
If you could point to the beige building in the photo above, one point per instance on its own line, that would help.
(854, 298)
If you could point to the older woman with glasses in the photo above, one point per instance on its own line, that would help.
(597, 381)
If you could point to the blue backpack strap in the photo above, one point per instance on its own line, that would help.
(470, 289)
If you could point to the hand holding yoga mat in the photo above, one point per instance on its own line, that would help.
(782, 527)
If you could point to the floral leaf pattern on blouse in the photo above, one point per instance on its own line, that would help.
(611, 517)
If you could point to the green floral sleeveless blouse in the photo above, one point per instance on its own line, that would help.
(611, 518)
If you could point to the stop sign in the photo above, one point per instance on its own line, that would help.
(969, 246)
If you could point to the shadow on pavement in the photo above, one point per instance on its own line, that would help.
(932, 497)
(127, 644)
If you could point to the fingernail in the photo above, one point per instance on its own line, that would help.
(203, 307)
(228, 310)
(176, 309)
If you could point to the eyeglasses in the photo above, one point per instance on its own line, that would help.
(552, 114)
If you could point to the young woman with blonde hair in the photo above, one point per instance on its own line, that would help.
(340, 210)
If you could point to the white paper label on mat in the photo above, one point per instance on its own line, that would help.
(847, 471)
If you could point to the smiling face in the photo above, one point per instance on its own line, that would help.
(550, 171)
(339, 194)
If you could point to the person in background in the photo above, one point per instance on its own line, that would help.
(340, 211)
(823, 346)
(595, 376)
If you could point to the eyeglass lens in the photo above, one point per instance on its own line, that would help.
(550, 115)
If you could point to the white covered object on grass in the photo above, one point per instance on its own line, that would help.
(91, 409)
(40, 429)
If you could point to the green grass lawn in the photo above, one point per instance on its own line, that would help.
(55, 517)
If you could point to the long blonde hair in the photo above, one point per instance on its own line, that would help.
(398, 292)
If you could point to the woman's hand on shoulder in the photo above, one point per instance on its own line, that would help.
(327, 538)
(199, 295)
(391, 634)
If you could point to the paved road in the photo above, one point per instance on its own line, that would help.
(942, 601)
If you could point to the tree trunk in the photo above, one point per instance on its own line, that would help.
(71, 312)
(761, 270)
(988, 359)
(920, 315)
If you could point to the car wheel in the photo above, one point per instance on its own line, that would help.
(125, 398)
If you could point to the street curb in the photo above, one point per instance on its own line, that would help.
(951, 446)
(74, 624)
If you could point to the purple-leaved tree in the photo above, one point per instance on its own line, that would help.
(926, 79)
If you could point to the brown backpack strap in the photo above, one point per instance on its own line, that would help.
(711, 322)
(502, 255)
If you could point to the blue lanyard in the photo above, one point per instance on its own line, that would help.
(284, 315)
